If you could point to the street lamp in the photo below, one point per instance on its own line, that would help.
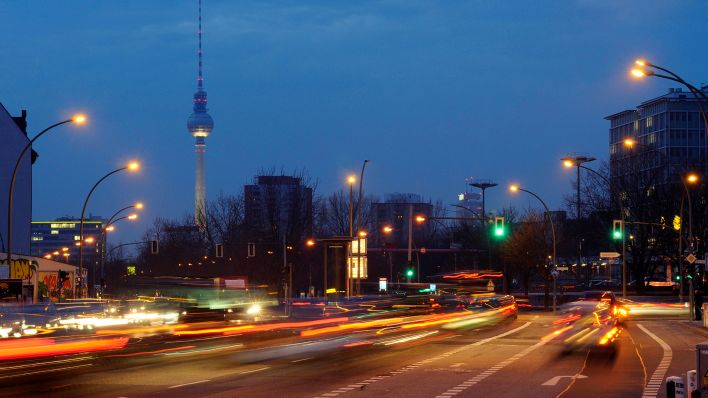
(643, 71)
(516, 188)
(351, 180)
(78, 119)
(484, 185)
(132, 166)
(577, 162)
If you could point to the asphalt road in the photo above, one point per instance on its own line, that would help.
(516, 358)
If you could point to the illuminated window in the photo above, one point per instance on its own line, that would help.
(63, 225)
(36, 238)
(650, 121)
(77, 237)
(55, 232)
(636, 125)
(651, 139)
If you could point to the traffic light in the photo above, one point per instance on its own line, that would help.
(617, 229)
(219, 250)
(409, 273)
(678, 277)
(154, 247)
(677, 223)
(499, 226)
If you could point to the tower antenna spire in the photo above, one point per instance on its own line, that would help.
(199, 33)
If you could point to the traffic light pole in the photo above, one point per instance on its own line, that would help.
(624, 263)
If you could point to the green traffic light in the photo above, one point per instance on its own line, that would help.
(678, 277)
(409, 273)
(499, 231)
(617, 235)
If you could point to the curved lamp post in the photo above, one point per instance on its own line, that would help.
(109, 227)
(516, 188)
(641, 72)
(358, 223)
(350, 180)
(132, 166)
(78, 119)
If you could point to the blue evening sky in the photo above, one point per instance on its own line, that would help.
(431, 92)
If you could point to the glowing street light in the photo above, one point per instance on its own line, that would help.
(516, 188)
(647, 69)
(692, 178)
(387, 229)
(78, 119)
(420, 219)
(310, 242)
(132, 166)
(133, 216)
(639, 73)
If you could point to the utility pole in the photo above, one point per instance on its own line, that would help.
(410, 237)
(484, 185)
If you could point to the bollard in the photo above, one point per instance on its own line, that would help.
(691, 381)
(705, 312)
(675, 387)
(702, 367)
(670, 389)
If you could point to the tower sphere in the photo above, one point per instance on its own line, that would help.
(200, 124)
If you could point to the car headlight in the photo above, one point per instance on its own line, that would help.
(255, 309)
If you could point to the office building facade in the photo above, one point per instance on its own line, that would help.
(669, 139)
(57, 240)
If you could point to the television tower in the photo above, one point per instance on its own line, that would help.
(200, 125)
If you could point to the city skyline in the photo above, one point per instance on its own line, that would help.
(377, 104)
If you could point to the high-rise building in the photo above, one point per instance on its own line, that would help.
(278, 202)
(200, 125)
(13, 136)
(668, 138)
(57, 240)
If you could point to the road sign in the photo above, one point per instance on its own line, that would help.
(609, 254)
(554, 272)
(562, 268)
(691, 258)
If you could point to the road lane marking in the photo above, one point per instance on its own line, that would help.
(657, 378)
(469, 383)
(428, 360)
(300, 360)
(553, 381)
(189, 384)
(255, 370)
(31, 365)
(36, 372)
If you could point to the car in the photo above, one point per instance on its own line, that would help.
(593, 322)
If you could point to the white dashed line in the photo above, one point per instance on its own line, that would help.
(189, 384)
(657, 378)
(426, 361)
(469, 383)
